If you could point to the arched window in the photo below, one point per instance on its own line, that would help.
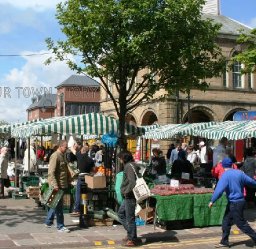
(236, 74)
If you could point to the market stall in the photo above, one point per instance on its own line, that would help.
(187, 202)
(93, 124)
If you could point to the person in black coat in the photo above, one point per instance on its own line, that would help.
(158, 163)
(181, 165)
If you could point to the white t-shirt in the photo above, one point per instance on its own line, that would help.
(203, 155)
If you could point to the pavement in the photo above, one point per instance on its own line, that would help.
(22, 227)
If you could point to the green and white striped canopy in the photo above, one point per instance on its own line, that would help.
(232, 130)
(85, 124)
(8, 128)
(172, 130)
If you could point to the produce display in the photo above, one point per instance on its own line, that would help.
(164, 190)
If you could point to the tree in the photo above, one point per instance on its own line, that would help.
(117, 39)
(248, 55)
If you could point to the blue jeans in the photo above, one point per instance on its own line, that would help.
(234, 214)
(78, 195)
(126, 214)
(58, 211)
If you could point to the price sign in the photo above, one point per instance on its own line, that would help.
(174, 183)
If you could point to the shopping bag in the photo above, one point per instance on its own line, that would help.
(141, 190)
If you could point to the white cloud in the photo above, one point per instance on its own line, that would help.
(38, 5)
(33, 74)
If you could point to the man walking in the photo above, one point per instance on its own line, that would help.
(58, 178)
(232, 182)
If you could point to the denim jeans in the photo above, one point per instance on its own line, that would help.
(234, 214)
(58, 211)
(126, 214)
(78, 195)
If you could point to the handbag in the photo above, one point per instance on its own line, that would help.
(141, 190)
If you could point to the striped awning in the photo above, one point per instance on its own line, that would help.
(232, 130)
(85, 124)
(172, 130)
(8, 128)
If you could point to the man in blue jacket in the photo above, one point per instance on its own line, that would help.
(232, 182)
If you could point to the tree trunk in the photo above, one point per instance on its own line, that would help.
(122, 137)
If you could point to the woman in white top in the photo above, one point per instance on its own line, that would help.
(191, 154)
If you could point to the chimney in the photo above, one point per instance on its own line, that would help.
(212, 7)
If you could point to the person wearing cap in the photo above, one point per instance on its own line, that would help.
(232, 182)
(203, 153)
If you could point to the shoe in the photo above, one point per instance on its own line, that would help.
(220, 245)
(64, 230)
(75, 214)
(48, 226)
(129, 243)
(125, 239)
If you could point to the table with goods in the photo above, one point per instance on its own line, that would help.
(188, 202)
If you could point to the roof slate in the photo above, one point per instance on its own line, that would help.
(79, 80)
(46, 100)
(229, 26)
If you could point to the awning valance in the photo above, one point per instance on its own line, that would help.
(85, 124)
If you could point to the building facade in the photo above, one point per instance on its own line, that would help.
(79, 94)
(226, 95)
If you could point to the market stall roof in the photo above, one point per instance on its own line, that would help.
(172, 130)
(85, 124)
(9, 127)
(232, 130)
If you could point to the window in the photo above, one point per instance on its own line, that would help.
(249, 80)
(237, 76)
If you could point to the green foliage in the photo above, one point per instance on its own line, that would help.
(248, 54)
(116, 39)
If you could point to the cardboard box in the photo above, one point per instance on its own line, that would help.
(95, 181)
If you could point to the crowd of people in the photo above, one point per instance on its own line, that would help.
(238, 181)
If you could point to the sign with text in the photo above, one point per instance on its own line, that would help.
(174, 183)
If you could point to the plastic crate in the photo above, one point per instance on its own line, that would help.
(51, 197)
(30, 181)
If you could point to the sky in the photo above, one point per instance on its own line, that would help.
(24, 26)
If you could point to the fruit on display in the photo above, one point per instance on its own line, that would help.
(165, 190)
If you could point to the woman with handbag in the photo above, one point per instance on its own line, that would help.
(126, 212)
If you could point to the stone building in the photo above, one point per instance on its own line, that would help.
(226, 95)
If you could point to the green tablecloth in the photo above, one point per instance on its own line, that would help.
(193, 206)
(174, 207)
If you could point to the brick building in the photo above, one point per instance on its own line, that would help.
(78, 94)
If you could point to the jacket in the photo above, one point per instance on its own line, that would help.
(58, 173)
(3, 167)
(32, 159)
(129, 180)
(249, 166)
(232, 182)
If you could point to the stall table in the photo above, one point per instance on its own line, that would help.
(191, 206)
